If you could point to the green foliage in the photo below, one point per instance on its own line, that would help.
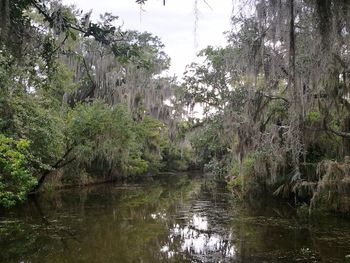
(235, 184)
(100, 132)
(153, 138)
(97, 130)
(53, 93)
(216, 167)
(41, 125)
(242, 182)
(177, 158)
(313, 116)
(208, 144)
(234, 169)
(178, 154)
(285, 186)
(15, 177)
(248, 164)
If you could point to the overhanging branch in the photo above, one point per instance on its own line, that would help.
(338, 133)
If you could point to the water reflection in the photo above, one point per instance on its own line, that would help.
(198, 240)
(173, 219)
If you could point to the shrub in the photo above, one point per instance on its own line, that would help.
(15, 179)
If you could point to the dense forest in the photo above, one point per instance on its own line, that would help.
(86, 101)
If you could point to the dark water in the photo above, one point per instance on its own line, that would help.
(169, 219)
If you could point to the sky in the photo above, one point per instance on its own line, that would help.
(174, 23)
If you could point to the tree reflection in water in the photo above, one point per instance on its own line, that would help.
(197, 240)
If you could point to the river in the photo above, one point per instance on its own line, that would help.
(179, 218)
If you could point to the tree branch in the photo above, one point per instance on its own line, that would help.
(57, 165)
(338, 133)
(274, 97)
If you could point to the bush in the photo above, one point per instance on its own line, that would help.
(15, 179)
(237, 181)
(216, 167)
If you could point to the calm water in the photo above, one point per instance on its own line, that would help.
(169, 219)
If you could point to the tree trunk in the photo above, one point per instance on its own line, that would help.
(295, 139)
(291, 76)
(59, 164)
(4, 19)
(346, 141)
(40, 183)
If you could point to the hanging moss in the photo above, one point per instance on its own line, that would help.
(333, 188)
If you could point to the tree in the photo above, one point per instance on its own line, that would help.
(86, 96)
(294, 109)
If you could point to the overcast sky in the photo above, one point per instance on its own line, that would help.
(174, 23)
